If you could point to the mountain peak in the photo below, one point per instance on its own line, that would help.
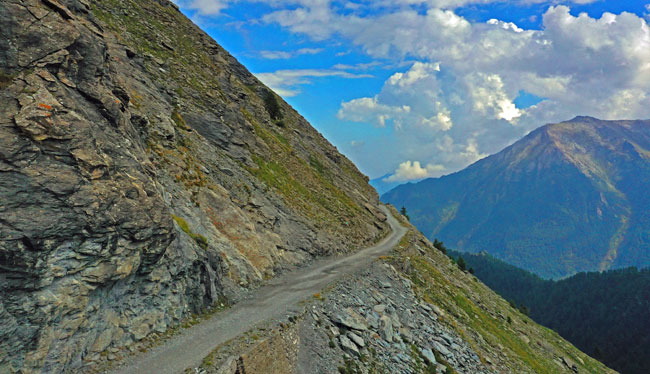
(584, 119)
(566, 198)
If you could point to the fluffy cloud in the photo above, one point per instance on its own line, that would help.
(407, 99)
(456, 103)
(453, 4)
(413, 170)
(579, 48)
(437, 117)
(489, 99)
(215, 7)
(460, 96)
(204, 7)
(368, 109)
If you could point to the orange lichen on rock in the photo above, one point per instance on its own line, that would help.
(45, 106)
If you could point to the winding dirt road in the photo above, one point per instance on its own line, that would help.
(278, 297)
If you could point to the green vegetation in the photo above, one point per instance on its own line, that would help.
(198, 238)
(272, 106)
(440, 359)
(350, 366)
(313, 195)
(5, 79)
(276, 175)
(426, 275)
(404, 213)
(461, 263)
(178, 120)
(440, 246)
(188, 64)
(605, 314)
(315, 163)
(307, 182)
(420, 366)
(306, 186)
(479, 316)
(524, 309)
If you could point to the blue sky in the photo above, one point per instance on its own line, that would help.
(422, 88)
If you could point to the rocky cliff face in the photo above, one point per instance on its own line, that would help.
(146, 175)
(568, 197)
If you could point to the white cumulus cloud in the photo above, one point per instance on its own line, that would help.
(367, 109)
(456, 102)
(490, 99)
(462, 91)
(412, 170)
(408, 99)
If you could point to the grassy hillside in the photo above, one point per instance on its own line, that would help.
(499, 333)
(211, 90)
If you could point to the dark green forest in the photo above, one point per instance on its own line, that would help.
(606, 315)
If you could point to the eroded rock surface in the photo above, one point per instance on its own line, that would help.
(143, 179)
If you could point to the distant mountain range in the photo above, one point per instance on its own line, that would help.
(382, 186)
(568, 197)
(604, 314)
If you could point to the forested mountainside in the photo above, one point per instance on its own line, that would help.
(604, 314)
(568, 197)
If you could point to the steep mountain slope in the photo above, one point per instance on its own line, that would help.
(605, 314)
(568, 197)
(144, 176)
(411, 312)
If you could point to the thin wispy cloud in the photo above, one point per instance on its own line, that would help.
(283, 55)
(287, 82)
(359, 66)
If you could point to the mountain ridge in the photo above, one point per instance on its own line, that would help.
(381, 186)
(568, 176)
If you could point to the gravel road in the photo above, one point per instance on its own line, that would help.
(279, 296)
